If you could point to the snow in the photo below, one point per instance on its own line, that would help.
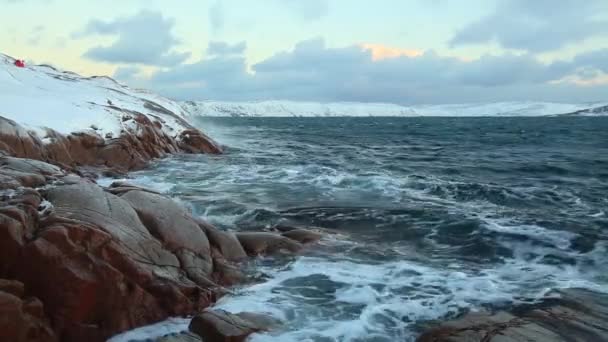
(39, 97)
(293, 108)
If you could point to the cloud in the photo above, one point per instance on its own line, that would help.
(35, 35)
(536, 26)
(144, 38)
(216, 16)
(127, 74)
(307, 9)
(313, 71)
(222, 49)
(380, 51)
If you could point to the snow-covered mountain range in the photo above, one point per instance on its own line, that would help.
(314, 109)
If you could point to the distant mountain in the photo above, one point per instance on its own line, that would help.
(315, 109)
(596, 111)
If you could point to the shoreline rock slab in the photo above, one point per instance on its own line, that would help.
(262, 243)
(576, 315)
(22, 319)
(223, 326)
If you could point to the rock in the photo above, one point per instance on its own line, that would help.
(25, 179)
(12, 287)
(22, 320)
(31, 166)
(263, 322)
(226, 242)
(142, 141)
(303, 235)
(98, 269)
(88, 203)
(183, 337)
(177, 230)
(267, 243)
(225, 272)
(578, 315)
(222, 326)
(97, 263)
(194, 141)
(118, 188)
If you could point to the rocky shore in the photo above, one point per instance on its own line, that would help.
(565, 315)
(82, 262)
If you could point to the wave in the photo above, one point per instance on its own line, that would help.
(348, 299)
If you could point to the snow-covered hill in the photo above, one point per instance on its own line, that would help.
(293, 108)
(42, 96)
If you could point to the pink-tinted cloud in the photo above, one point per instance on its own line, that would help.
(380, 52)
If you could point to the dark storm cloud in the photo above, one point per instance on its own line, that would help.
(144, 38)
(538, 25)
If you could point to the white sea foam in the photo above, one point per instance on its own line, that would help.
(557, 238)
(153, 183)
(389, 296)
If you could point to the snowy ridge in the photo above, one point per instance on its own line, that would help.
(39, 97)
(313, 109)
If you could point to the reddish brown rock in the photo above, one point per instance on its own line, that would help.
(259, 243)
(226, 242)
(142, 141)
(177, 231)
(577, 315)
(100, 262)
(22, 320)
(222, 326)
(12, 287)
(225, 272)
(195, 141)
(98, 269)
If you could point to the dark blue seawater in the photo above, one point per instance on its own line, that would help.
(429, 217)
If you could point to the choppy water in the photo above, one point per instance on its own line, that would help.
(435, 215)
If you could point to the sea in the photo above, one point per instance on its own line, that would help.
(424, 219)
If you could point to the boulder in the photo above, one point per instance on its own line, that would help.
(225, 272)
(226, 242)
(12, 287)
(22, 320)
(258, 243)
(303, 235)
(222, 326)
(168, 221)
(89, 204)
(99, 270)
(576, 315)
(177, 231)
(31, 166)
(195, 141)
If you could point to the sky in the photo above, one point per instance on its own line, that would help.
(396, 51)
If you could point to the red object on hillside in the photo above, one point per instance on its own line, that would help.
(19, 63)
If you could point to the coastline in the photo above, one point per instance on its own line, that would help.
(99, 261)
(84, 262)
